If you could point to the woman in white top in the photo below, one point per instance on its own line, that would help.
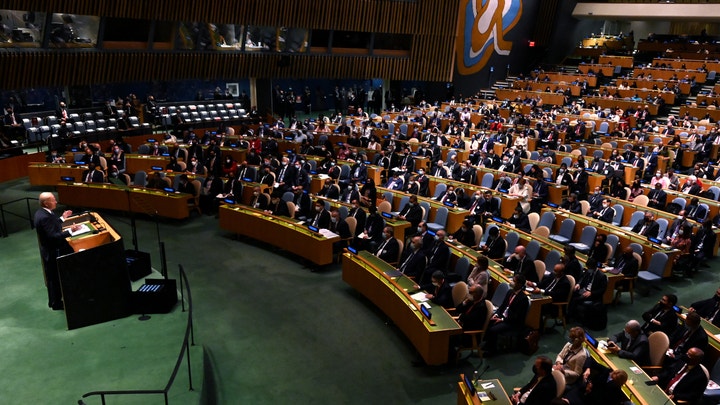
(521, 141)
(571, 358)
(479, 275)
(523, 190)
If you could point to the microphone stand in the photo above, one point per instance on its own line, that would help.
(133, 226)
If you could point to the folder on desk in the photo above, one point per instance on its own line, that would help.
(83, 229)
(393, 273)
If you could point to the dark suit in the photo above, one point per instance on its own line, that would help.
(557, 289)
(689, 388)
(522, 223)
(524, 266)
(667, 317)
(52, 243)
(684, 338)
(696, 212)
(280, 209)
(442, 295)
(651, 229)
(636, 349)
(606, 214)
(512, 314)
(603, 391)
(286, 176)
(412, 263)
(472, 314)
(261, 201)
(413, 215)
(657, 199)
(359, 215)
(543, 391)
(708, 309)
(97, 176)
(388, 250)
(321, 219)
(495, 248)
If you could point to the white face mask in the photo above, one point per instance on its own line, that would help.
(318, 209)
(605, 205)
(256, 193)
(436, 284)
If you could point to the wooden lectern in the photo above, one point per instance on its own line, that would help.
(94, 278)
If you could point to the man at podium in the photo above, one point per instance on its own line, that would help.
(52, 242)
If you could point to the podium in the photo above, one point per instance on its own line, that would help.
(94, 278)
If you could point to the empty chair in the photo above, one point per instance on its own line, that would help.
(547, 219)
(144, 149)
(584, 207)
(634, 219)
(462, 268)
(566, 231)
(637, 248)
(539, 269)
(663, 225)
(567, 160)
(426, 209)
(404, 200)
(587, 239)
(542, 231)
(440, 220)
(141, 178)
(439, 189)
(655, 270)
(487, 180)
(511, 239)
(384, 206)
(619, 211)
(534, 155)
(658, 343)
(680, 201)
(532, 249)
(598, 154)
(641, 200)
(707, 209)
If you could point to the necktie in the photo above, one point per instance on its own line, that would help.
(405, 263)
(380, 249)
(682, 339)
(674, 381)
(282, 174)
(89, 176)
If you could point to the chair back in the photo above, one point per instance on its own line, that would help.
(351, 221)
(487, 180)
(552, 258)
(140, 178)
(384, 207)
(584, 206)
(547, 219)
(441, 217)
(680, 201)
(388, 196)
(288, 196)
(426, 209)
(292, 209)
(499, 294)
(663, 225)
(657, 263)
(715, 190)
(462, 268)
(540, 269)
(635, 218)
(439, 189)
(478, 231)
(511, 239)
(637, 248)
(641, 200)
(533, 218)
(639, 259)
(459, 292)
(619, 211)
(610, 252)
(567, 228)
(532, 249)
(613, 240)
(588, 235)
(403, 201)
(658, 343)
(542, 231)
(401, 246)
(707, 209)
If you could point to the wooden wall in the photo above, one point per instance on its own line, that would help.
(431, 23)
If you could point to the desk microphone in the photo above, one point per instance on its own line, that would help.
(482, 372)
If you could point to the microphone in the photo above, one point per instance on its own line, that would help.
(482, 372)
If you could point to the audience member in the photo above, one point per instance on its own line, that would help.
(631, 344)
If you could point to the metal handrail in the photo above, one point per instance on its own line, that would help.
(3, 227)
(188, 340)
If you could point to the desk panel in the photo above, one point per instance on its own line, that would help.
(49, 174)
(281, 232)
(431, 338)
(498, 391)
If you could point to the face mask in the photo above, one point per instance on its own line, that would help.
(627, 335)
(420, 172)
(410, 204)
(436, 284)
(605, 205)
(516, 216)
(680, 233)
(561, 170)
(384, 236)
(318, 209)
(333, 219)
(437, 237)
(419, 229)
(256, 193)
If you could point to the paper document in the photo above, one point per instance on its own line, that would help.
(328, 233)
(83, 229)
(419, 296)
(487, 385)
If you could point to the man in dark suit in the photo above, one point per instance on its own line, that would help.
(588, 291)
(677, 225)
(358, 173)
(438, 255)
(339, 227)
(259, 200)
(52, 243)
(510, 316)
(389, 249)
(606, 212)
(412, 262)
(631, 344)
(638, 162)
(602, 386)
(321, 217)
(695, 211)
(411, 212)
(572, 204)
(686, 381)
(657, 198)
(439, 290)
(93, 174)
(542, 387)
(277, 206)
(472, 313)
(303, 203)
(330, 190)
(286, 175)
(691, 334)
(647, 227)
(708, 309)
(494, 246)
(359, 214)
(556, 286)
(661, 317)
(519, 263)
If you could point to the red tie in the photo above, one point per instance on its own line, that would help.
(677, 378)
